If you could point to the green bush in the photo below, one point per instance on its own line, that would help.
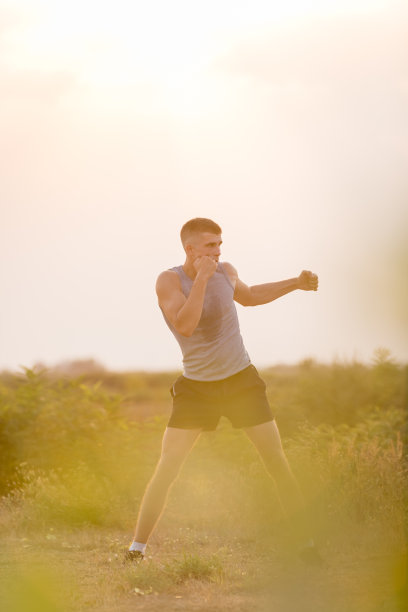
(72, 453)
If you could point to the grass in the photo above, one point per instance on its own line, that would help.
(83, 569)
(76, 460)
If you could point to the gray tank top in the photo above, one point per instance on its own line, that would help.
(215, 350)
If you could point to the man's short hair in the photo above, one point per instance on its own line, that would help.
(196, 226)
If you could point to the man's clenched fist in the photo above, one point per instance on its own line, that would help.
(308, 281)
(205, 266)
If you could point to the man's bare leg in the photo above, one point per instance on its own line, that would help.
(176, 445)
(267, 441)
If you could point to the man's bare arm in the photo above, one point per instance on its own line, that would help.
(184, 313)
(268, 292)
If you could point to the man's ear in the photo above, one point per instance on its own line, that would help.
(189, 249)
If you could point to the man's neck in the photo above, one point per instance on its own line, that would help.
(189, 269)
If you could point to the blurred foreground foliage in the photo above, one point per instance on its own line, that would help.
(81, 450)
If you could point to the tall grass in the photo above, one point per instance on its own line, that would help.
(74, 452)
(76, 455)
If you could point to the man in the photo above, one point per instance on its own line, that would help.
(197, 302)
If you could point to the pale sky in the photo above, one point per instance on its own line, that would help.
(285, 122)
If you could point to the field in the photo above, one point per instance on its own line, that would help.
(78, 452)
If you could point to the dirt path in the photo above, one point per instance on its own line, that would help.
(83, 573)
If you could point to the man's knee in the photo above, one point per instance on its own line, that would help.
(169, 464)
(275, 460)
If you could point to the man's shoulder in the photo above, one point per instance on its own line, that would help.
(227, 265)
(168, 278)
(229, 269)
(171, 272)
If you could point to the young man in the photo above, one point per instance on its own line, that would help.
(197, 302)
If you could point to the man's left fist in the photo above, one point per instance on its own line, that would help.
(308, 281)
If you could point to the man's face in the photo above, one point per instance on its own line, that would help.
(208, 244)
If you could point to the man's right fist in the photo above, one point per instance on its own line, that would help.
(205, 266)
(308, 281)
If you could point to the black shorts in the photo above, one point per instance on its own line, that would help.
(200, 404)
